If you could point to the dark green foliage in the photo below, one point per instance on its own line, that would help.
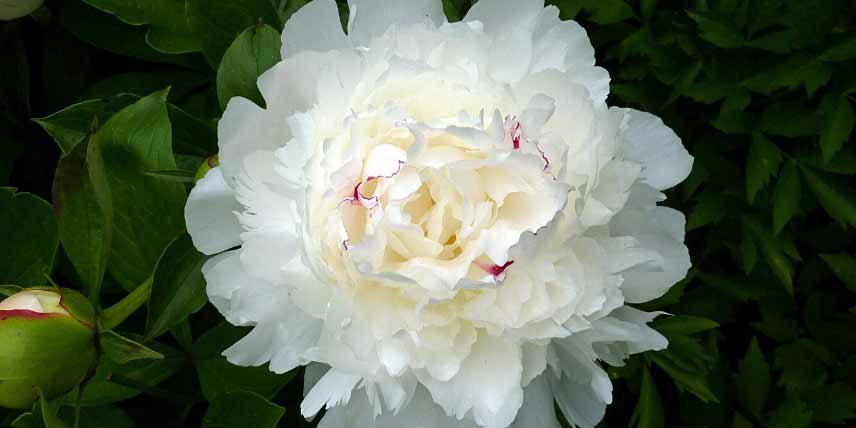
(761, 92)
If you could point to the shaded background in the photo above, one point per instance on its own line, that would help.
(760, 91)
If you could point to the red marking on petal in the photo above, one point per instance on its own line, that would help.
(543, 156)
(357, 197)
(23, 313)
(515, 134)
(497, 271)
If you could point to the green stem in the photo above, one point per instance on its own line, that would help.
(118, 313)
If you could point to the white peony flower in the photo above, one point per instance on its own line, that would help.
(443, 220)
(13, 9)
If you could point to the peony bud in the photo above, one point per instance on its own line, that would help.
(13, 9)
(47, 341)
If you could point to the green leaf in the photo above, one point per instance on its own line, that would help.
(183, 83)
(251, 54)
(218, 376)
(844, 267)
(684, 378)
(179, 175)
(148, 212)
(218, 23)
(732, 118)
(797, 70)
(682, 325)
(836, 198)
(781, 41)
(708, 210)
(168, 30)
(44, 414)
(178, 288)
(788, 120)
(719, 32)
(242, 408)
(776, 251)
(73, 124)
(753, 380)
(792, 413)
(842, 51)
(802, 364)
(454, 9)
(84, 213)
(844, 162)
(100, 390)
(837, 123)
(748, 254)
(605, 12)
(740, 422)
(30, 239)
(762, 164)
(98, 417)
(833, 403)
(649, 409)
(786, 197)
(122, 350)
(104, 31)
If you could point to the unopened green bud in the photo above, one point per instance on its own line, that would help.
(47, 341)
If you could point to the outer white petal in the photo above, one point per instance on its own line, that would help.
(210, 214)
(333, 389)
(660, 229)
(421, 412)
(282, 341)
(647, 140)
(579, 403)
(538, 410)
(487, 384)
(512, 24)
(292, 85)
(224, 275)
(371, 18)
(244, 129)
(499, 16)
(315, 27)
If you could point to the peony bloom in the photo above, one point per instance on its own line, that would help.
(13, 9)
(444, 221)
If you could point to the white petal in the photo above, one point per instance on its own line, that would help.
(244, 129)
(223, 276)
(499, 16)
(534, 362)
(563, 45)
(22, 302)
(292, 85)
(538, 410)
(331, 390)
(649, 339)
(487, 384)
(579, 402)
(315, 27)
(371, 18)
(265, 254)
(649, 141)
(421, 412)
(661, 230)
(210, 214)
(512, 22)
